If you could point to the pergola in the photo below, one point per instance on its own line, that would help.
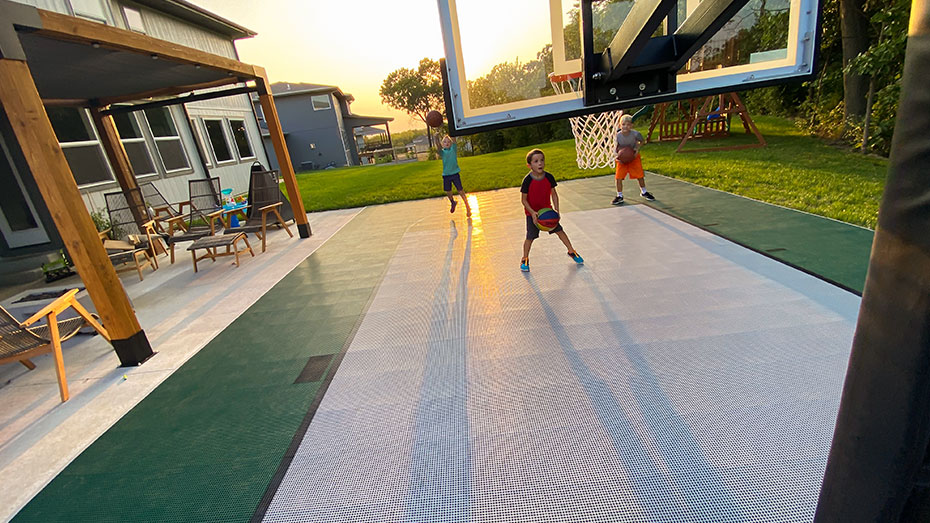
(47, 58)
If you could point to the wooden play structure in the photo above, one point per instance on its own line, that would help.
(697, 118)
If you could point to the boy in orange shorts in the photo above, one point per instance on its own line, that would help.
(628, 137)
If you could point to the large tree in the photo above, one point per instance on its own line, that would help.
(854, 28)
(415, 91)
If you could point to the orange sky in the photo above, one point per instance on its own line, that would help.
(352, 44)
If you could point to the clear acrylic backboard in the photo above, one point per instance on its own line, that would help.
(500, 54)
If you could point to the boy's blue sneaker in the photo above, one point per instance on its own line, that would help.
(525, 265)
(577, 257)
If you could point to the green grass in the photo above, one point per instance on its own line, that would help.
(794, 170)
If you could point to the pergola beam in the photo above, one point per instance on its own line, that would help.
(22, 105)
(170, 91)
(179, 100)
(73, 29)
(266, 100)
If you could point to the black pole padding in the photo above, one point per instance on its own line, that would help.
(875, 471)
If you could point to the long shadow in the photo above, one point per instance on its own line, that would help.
(704, 487)
(440, 458)
(661, 496)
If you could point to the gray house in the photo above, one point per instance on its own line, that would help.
(166, 145)
(320, 129)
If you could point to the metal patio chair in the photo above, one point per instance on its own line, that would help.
(131, 237)
(20, 341)
(265, 201)
(164, 211)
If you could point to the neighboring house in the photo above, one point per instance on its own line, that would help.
(318, 125)
(166, 145)
(419, 144)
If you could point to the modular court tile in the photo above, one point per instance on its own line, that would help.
(676, 376)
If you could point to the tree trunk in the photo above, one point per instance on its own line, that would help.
(868, 115)
(854, 29)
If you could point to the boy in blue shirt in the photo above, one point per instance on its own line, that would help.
(451, 172)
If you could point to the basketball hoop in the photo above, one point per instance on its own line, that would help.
(595, 134)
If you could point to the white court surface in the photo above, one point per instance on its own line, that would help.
(674, 377)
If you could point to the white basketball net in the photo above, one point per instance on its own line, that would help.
(595, 134)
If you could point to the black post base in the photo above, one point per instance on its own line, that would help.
(303, 229)
(134, 350)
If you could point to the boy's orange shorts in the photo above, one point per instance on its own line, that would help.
(634, 169)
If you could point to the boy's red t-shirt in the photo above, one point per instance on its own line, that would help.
(538, 192)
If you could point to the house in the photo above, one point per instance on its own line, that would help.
(319, 126)
(99, 95)
(167, 144)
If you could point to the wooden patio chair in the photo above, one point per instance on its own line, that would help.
(19, 341)
(170, 213)
(204, 208)
(265, 199)
(131, 237)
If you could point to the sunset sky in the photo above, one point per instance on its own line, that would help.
(355, 44)
(352, 44)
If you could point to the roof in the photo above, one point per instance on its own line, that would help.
(357, 120)
(187, 11)
(290, 89)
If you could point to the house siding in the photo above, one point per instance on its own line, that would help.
(174, 186)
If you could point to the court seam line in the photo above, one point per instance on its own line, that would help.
(265, 503)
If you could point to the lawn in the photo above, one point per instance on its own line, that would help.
(794, 170)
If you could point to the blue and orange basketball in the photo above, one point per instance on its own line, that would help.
(547, 219)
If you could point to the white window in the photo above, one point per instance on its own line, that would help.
(167, 139)
(218, 142)
(79, 142)
(198, 139)
(241, 137)
(133, 18)
(320, 102)
(92, 9)
(130, 134)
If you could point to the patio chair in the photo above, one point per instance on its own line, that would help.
(172, 214)
(19, 341)
(131, 229)
(265, 198)
(204, 207)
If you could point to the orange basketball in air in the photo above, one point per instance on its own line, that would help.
(434, 118)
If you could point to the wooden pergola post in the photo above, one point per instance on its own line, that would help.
(22, 105)
(119, 160)
(280, 150)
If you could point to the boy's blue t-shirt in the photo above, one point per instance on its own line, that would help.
(450, 162)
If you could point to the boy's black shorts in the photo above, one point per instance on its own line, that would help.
(532, 232)
(450, 180)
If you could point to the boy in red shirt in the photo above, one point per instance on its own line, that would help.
(537, 189)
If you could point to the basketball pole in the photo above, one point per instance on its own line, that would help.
(878, 469)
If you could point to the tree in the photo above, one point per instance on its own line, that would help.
(881, 62)
(415, 91)
(854, 27)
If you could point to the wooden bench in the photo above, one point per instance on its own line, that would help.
(212, 243)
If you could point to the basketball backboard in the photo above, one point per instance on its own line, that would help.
(500, 54)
